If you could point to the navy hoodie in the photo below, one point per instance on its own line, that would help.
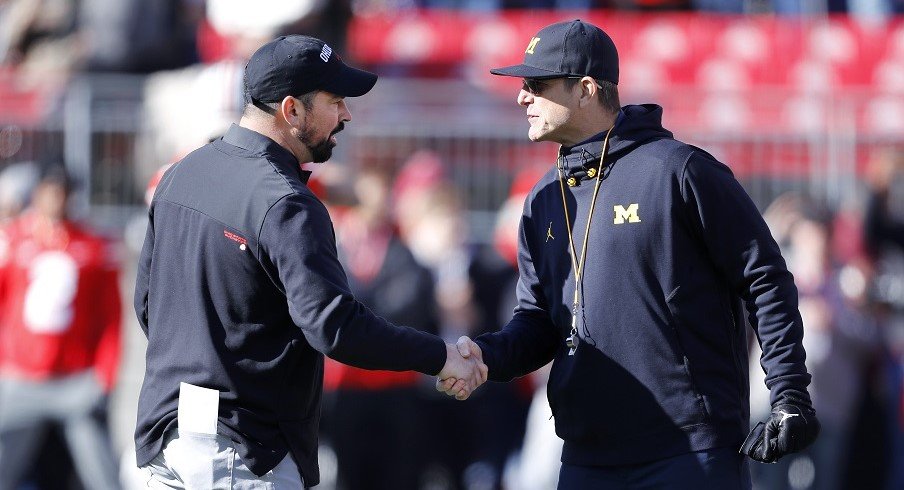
(675, 247)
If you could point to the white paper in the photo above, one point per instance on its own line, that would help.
(198, 408)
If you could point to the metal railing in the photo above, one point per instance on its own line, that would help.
(480, 137)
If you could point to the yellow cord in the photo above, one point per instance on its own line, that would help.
(578, 262)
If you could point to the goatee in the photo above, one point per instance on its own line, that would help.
(322, 150)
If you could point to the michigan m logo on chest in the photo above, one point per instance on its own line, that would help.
(629, 214)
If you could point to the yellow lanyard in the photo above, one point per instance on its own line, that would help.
(577, 262)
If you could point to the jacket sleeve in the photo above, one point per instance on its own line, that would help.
(530, 339)
(297, 238)
(743, 250)
(143, 275)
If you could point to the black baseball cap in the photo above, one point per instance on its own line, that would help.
(564, 49)
(295, 65)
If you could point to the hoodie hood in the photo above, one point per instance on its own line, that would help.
(640, 124)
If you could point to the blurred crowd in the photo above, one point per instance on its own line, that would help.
(52, 38)
(878, 8)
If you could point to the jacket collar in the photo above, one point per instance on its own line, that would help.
(586, 154)
(264, 147)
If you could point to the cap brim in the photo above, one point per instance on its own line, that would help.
(525, 71)
(350, 82)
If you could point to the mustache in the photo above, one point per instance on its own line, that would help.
(340, 127)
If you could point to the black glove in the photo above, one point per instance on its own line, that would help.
(792, 426)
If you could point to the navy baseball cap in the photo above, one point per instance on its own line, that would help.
(295, 65)
(566, 49)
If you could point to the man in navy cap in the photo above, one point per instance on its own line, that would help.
(240, 293)
(636, 253)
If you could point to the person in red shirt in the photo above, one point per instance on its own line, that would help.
(60, 319)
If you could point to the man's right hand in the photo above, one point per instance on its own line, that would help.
(464, 370)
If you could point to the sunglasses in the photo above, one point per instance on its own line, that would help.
(536, 86)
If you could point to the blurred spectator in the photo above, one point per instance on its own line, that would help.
(419, 175)
(842, 339)
(493, 272)
(375, 422)
(502, 408)
(494, 268)
(41, 36)
(432, 224)
(475, 291)
(59, 337)
(16, 184)
(882, 227)
(171, 132)
(53, 38)
(884, 235)
(138, 36)
(327, 20)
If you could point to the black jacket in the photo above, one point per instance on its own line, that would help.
(675, 244)
(239, 290)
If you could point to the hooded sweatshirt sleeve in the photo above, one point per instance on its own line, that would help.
(530, 339)
(742, 248)
(297, 237)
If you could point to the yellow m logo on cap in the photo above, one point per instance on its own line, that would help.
(532, 45)
(622, 214)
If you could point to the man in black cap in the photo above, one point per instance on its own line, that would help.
(240, 293)
(636, 252)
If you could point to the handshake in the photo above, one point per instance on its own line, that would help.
(464, 370)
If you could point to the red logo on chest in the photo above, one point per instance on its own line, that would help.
(232, 236)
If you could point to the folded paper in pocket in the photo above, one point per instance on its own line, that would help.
(198, 409)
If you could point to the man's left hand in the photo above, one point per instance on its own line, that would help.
(790, 428)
